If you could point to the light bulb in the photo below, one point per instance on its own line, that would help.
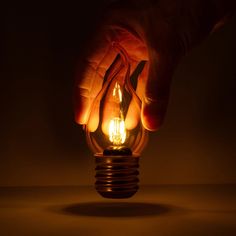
(115, 132)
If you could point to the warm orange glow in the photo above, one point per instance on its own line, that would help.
(117, 94)
(117, 132)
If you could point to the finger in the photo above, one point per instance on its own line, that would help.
(133, 115)
(157, 89)
(93, 120)
(87, 90)
(93, 108)
(134, 110)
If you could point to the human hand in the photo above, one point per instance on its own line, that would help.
(159, 32)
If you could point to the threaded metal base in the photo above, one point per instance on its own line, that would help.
(116, 176)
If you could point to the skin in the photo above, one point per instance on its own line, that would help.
(159, 32)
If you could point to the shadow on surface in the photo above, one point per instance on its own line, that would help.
(117, 209)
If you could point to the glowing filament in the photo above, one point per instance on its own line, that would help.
(117, 132)
(117, 94)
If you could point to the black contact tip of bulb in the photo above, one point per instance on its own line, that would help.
(117, 151)
(117, 176)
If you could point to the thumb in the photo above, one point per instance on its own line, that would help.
(157, 90)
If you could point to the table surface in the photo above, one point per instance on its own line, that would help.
(169, 210)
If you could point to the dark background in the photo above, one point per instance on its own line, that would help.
(40, 144)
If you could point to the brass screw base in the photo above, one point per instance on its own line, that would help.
(116, 176)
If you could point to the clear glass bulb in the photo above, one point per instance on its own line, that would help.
(115, 132)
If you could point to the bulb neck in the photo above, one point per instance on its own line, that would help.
(116, 176)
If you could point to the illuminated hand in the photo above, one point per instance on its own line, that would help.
(160, 32)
